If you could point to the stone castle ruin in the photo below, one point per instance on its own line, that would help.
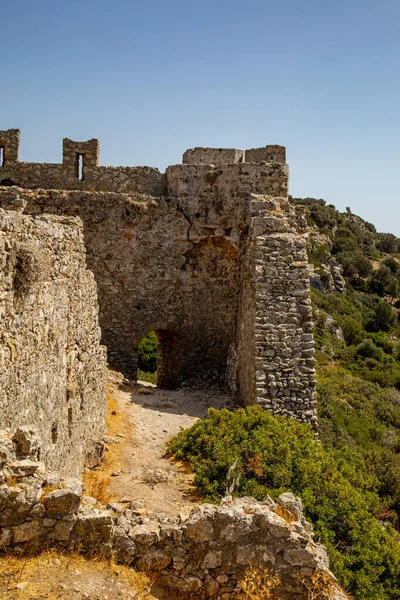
(210, 256)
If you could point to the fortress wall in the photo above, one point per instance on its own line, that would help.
(229, 183)
(79, 170)
(156, 269)
(144, 180)
(52, 373)
(217, 268)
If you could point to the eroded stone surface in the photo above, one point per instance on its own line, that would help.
(52, 367)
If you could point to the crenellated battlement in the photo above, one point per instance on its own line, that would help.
(80, 168)
(9, 146)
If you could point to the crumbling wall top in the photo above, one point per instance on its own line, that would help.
(212, 156)
(89, 151)
(222, 156)
(271, 153)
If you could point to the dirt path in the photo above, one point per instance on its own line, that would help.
(142, 419)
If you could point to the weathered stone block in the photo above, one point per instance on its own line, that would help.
(212, 156)
(27, 441)
(61, 502)
(26, 532)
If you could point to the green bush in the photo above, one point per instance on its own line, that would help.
(381, 279)
(358, 395)
(382, 340)
(391, 263)
(273, 455)
(385, 317)
(147, 376)
(387, 242)
(353, 330)
(367, 349)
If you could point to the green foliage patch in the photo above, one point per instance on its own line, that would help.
(273, 455)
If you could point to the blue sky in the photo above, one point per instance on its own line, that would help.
(150, 79)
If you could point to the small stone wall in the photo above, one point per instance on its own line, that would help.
(52, 367)
(205, 555)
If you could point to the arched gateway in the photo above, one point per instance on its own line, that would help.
(210, 255)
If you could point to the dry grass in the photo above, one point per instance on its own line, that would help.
(259, 584)
(319, 586)
(53, 575)
(11, 481)
(262, 583)
(97, 482)
(47, 489)
(285, 514)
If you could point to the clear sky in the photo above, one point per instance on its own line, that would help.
(150, 79)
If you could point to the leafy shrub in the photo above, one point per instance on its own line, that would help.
(345, 241)
(273, 455)
(353, 330)
(391, 263)
(381, 280)
(387, 242)
(367, 349)
(384, 316)
(382, 340)
(319, 255)
(147, 376)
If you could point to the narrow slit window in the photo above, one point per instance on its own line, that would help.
(70, 419)
(1, 156)
(80, 166)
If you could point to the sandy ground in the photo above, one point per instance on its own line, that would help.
(146, 418)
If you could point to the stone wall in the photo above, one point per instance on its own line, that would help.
(206, 555)
(79, 170)
(213, 260)
(52, 367)
(276, 349)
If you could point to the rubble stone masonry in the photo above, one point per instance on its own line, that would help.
(52, 367)
(210, 255)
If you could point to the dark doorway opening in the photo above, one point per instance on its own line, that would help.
(159, 359)
(147, 358)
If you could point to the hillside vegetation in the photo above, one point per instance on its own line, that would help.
(349, 479)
